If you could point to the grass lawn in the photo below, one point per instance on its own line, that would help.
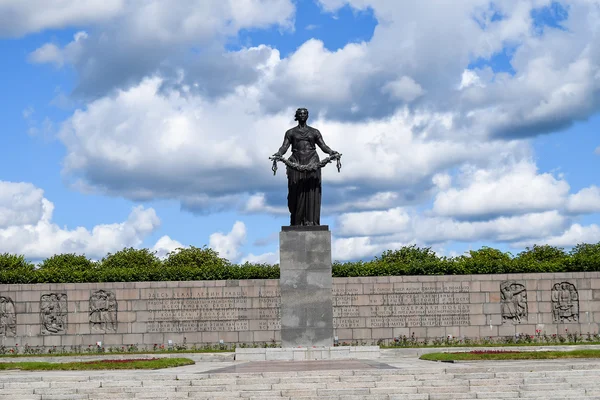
(529, 344)
(153, 363)
(108, 353)
(510, 355)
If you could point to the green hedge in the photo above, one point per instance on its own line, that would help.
(137, 265)
(132, 265)
(412, 260)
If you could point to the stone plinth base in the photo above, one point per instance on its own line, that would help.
(307, 354)
(306, 285)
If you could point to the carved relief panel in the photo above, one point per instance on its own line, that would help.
(103, 311)
(513, 297)
(565, 302)
(53, 313)
(8, 317)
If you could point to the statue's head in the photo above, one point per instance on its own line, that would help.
(301, 114)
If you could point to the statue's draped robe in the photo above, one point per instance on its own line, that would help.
(304, 188)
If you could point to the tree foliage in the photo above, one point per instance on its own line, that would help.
(194, 263)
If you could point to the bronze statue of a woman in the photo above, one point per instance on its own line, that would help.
(304, 170)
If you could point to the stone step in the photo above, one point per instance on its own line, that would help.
(291, 383)
(375, 375)
(523, 381)
(10, 396)
(395, 375)
(546, 386)
(338, 394)
(506, 394)
(444, 396)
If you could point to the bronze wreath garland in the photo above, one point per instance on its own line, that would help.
(308, 167)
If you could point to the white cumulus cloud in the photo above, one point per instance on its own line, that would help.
(21, 17)
(164, 245)
(143, 36)
(34, 235)
(405, 89)
(142, 143)
(434, 149)
(228, 245)
(257, 203)
(380, 233)
(587, 200)
(264, 258)
(20, 204)
(572, 236)
(509, 189)
(372, 222)
(50, 53)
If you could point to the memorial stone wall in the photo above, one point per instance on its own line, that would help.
(141, 313)
(366, 310)
(373, 308)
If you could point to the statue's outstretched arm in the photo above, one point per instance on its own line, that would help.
(321, 143)
(285, 146)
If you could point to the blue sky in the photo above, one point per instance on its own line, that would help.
(150, 126)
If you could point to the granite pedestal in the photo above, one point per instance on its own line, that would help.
(306, 286)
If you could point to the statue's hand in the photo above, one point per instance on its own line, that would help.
(275, 156)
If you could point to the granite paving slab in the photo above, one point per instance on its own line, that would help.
(289, 366)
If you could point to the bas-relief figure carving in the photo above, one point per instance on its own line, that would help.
(304, 170)
(8, 317)
(53, 313)
(103, 311)
(565, 302)
(513, 296)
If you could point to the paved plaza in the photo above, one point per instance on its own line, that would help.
(394, 376)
